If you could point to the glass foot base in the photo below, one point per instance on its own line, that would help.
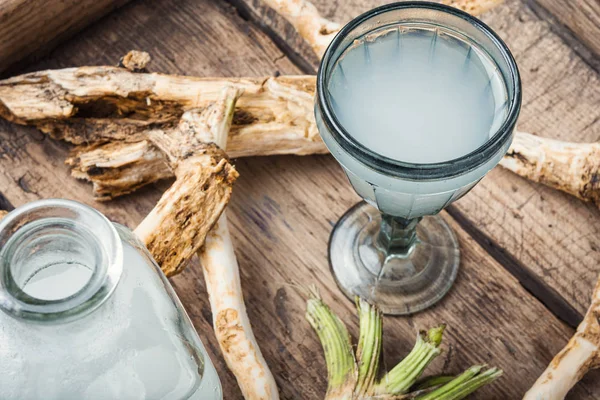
(398, 284)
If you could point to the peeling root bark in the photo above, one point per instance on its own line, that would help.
(108, 112)
(177, 226)
(571, 167)
(119, 168)
(581, 354)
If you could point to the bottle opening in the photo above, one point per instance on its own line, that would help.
(54, 260)
(58, 259)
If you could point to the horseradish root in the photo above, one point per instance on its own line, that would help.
(177, 226)
(109, 111)
(353, 377)
(230, 319)
(305, 18)
(580, 355)
(94, 105)
(571, 167)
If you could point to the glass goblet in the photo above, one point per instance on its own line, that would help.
(393, 249)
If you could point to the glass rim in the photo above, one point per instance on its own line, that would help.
(403, 169)
(96, 290)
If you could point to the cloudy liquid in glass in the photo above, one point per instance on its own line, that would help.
(418, 94)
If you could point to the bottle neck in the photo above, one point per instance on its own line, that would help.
(59, 260)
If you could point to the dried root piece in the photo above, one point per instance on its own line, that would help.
(94, 105)
(135, 61)
(230, 319)
(571, 167)
(580, 355)
(119, 168)
(176, 228)
(108, 112)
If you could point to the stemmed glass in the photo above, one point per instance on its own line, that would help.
(393, 249)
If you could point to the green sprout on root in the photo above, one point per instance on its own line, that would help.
(355, 377)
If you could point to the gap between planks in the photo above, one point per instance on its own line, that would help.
(552, 300)
(588, 55)
(303, 63)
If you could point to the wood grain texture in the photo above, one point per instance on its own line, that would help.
(582, 17)
(283, 209)
(183, 37)
(280, 224)
(33, 27)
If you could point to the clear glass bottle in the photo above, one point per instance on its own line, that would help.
(87, 313)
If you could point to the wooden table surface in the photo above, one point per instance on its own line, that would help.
(529, 255)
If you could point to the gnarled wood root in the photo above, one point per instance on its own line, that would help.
(571, 167)
(93, 105)
(581, 354)
(177, 226)
(108, 113)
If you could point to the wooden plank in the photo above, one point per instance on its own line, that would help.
(281, 216)
(183, 37)
(28, 27)
(582, 17)
(551, 236)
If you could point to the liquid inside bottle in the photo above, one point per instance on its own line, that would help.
(85, 313)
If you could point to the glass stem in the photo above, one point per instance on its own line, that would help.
(397, 235)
